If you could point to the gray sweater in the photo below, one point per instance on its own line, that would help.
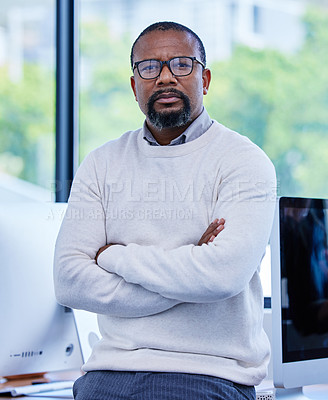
(164, 303)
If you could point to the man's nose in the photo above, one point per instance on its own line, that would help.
(166, 76)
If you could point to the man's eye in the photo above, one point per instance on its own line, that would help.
(149, 68)
(181, 64)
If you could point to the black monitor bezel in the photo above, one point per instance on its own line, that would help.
(308, 354)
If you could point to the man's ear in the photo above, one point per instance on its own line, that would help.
(133, 86)
(206, 80)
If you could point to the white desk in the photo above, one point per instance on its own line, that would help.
(314, 392)
(57, 395)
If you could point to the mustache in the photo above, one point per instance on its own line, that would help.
(158, 93)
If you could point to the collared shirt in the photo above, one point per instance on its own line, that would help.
(199, 126)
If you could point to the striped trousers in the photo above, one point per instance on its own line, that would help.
(121, 385)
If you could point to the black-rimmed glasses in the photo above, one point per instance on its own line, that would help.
(179, 66)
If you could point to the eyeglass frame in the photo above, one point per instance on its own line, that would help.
(162, 63)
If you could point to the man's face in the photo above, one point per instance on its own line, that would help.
(169, 101)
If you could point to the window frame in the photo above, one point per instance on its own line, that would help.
(67, 99)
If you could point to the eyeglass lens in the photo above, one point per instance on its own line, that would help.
(179, 66)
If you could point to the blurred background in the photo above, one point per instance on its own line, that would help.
(269, 82)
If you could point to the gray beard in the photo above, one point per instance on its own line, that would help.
(169, 119)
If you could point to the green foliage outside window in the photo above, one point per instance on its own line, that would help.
(27, 124)
(281, 103)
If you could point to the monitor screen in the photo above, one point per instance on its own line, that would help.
(304, 278)
(37, 334)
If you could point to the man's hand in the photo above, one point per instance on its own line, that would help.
(212, 231)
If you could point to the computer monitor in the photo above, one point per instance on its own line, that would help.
(36, 334)
(299, 273)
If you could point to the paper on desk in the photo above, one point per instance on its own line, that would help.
(57, 394)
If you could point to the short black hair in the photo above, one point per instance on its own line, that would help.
(174, 26)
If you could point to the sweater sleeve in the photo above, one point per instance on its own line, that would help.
(219, 270)
(79, 282)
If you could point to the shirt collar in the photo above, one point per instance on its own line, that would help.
(199, 126)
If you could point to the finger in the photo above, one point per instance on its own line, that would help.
(207, 237)
(216, 222)
(217, 231)
(212, 225)
(214, 228)
(220, 224)
(211, 228)
(210, 237)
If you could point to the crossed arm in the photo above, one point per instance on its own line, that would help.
(79, 281)
(208, 236)
(124, 283)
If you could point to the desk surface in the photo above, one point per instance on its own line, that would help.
(57, 395)
(315, 392)
(312, 392)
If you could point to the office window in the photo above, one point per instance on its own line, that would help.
(27, 93)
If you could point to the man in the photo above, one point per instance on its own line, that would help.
(163, 237)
